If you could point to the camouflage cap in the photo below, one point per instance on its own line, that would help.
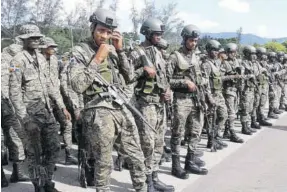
(29, 30)
(14, 49)
(48, 42)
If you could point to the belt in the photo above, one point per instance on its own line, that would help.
(184, 95)
(150, 99)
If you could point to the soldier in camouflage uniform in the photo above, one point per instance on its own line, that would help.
(12, 130)
(152, 91)
(103, 119)
(59, 108)
(247, 92)
(230, 89)
(284, 79)
(30, 98)
(262, 59)
(184, 75)
(272, 85)
(211, 70)
(280, 85)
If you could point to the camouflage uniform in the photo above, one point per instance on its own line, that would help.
(29, 95)
(284, 79)
(211, 70)
(12, 129)
(104, 120)
(150, 104)
(278, 85)
(259, 82)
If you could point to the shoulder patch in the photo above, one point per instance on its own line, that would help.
(14, 67)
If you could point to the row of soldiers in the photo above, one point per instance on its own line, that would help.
(120, 101)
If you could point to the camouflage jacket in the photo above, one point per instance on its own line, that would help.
(83, 74)
(5, 73)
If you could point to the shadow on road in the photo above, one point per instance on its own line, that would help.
(279, 127)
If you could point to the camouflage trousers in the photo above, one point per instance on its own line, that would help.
(188, 117)
(263, 100)
(284, 95)
(246, 105)
(102, 127)
(278, 90)
(48, 143)
(152, 141)
(256, 103)
(65, 127)
(221, 110)
(272, 94)
(231, 104)
(14, 134)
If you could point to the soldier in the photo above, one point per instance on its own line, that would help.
(247, 96)
(278, 77)
(57, 103)
(152, 91)
(230, 90)
(103, 119)
(263, 78)
(12, 129)
(29, 96)
(273, 83)
(184, 75)
(284, 79)
(211, 70)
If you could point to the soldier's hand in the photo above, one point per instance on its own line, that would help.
(117, 40)
(67, 114)
(191, 86)
(167, 95)
(102, 53)
(150, 71)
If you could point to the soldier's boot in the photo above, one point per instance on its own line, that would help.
(37, 188)
(198, 161)
(159, 185)
(119, 163)
(218, 139)
(263, 122)
(90, 172)
(210, 143)
(271, 114)
(149, 182)
(198, 153)
(244, 129)
(277, 111)
(254, 124)
(70, 160)
(166, 149)
(251, 130)
(17, 174)
(4, 182)
(234, 137)
(4, 160)
(226, 134)
(192, 167)
(176, 169)
(50, 187)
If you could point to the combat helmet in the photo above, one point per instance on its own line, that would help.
(212, 45)
(152, 25)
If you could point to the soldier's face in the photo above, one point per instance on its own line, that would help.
(264, 57)
(102, 34)
(156, 37)
(281, 59)
(231, 55)
(253, 57)
(50, 51)
(191, 43)
(272, 59)
(33, 42)
(213, 54)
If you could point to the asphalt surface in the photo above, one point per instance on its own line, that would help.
(257, 165)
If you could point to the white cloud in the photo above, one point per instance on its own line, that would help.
(235, 5)
(196, 19)
(262, 31)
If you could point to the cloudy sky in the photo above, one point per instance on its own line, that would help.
(266, 18)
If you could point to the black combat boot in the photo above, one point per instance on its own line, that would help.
(149, 182)
(198, 153)
(90, 172)
(234, 138)
(210, 143)
(218, 140)
(17, 175)
(176, 169)
(271, 114)
(50, 187)
(37, 188)
(4, 182)
(254, 124)
(245, 129)
(226, 134)
(159, 185)
(198, 161)
(250, 129)
(263, 122)
(192, 167)
(277, 111)
(4, 160)
(70, 160)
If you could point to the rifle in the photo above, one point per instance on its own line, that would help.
(40, 173)
(82, 168)
(120, 97)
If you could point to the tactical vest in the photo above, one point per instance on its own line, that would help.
(149, 85)
(190, 69)
(249, 71)
(215, 77)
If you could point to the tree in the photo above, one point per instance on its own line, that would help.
(275, 46)
(285, 44)
(135, 17)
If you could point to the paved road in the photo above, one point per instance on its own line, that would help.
(257, 165)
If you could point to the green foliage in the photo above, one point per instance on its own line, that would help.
(275, 46)
(62, 37)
